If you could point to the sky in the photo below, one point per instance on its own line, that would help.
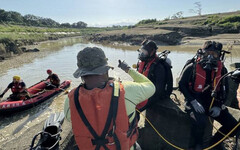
(114, 12)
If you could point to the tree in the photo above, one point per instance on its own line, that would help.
(177, 15)
(147, 21)
(198, 8)
(49, 22)
(10, 16)
(15, 17)
(79, 25)
(66, 25)
(32, 20)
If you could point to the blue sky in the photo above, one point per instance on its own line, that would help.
(108, 12)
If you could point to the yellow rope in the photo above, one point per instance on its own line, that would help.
(223, 137)
(209, 118)
(159, 133)
(208, 148)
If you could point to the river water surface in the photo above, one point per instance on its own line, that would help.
(60, 56)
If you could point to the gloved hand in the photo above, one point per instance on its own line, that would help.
(123, 65)
(1, 95)
(215, 111)
(197, 106)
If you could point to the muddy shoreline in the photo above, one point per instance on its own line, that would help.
(162, 36)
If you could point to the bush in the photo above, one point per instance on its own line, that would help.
(147, 21)
(232, 21)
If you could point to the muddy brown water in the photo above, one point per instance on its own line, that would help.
(60, 56)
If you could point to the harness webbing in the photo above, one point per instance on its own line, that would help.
(101, 141)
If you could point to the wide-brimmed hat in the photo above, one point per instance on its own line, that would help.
(91, 61)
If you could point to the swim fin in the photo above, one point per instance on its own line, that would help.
(50, 136)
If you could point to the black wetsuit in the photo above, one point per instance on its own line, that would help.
(199, 121)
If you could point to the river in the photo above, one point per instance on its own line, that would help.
(60, 56)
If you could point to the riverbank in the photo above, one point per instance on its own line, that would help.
(161, 36)
(223, 27)
(14, 38)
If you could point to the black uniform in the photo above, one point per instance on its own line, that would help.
(204, 98)
(161, 76)
(54, 80)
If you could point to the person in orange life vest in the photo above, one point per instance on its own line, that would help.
(158, 71)
(18, 89)
(197, 83)
(102, 111)
(54, 80)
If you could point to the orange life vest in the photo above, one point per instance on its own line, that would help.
(99, 118)
(200, 77)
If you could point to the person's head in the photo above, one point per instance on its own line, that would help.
(148, 50)
(49, 71)
(92, 66)
(16, 79)
(210, 54)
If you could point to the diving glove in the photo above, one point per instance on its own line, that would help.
(123, 65)
(215, 111)
(197, 106)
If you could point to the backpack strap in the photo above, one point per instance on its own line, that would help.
(101, 141)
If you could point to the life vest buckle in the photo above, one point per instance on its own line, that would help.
(113, 130)
(109, 143)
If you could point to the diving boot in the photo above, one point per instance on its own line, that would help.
(50, 136)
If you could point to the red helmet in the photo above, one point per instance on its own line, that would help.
(49, 71)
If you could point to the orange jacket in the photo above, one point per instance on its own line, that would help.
(104, 131)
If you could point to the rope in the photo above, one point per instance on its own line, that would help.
(177, 147)
(159, 133)
(213, 99)
(169, 143)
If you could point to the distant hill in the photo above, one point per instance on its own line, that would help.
(15, 18)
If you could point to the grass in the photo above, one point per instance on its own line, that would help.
(35, 34)
(231, 21)
(19, 35)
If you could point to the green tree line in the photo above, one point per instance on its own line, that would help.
(12, 17)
